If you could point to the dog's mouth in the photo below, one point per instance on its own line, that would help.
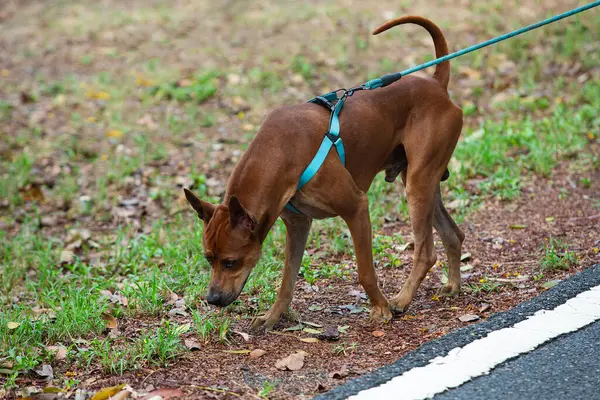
(220, 299)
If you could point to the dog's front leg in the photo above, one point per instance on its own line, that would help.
(298, 227)
(359, 223)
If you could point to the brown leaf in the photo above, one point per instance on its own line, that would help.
(407, 246)
(192, 344)
(164, 393)
(457, 203)
(465, 257)
(147, 121)
(309, 340)
(484, 307)
(293, 362)
(109, 321)
(67, 257)
(341, 373)
(32, 193)
(45, 372)
(122, 395)
(378, 333)
(468, 318)
(106, 393)
(60, 352)
(243, 335)
(257, 353)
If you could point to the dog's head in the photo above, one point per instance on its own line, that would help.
(231, 246)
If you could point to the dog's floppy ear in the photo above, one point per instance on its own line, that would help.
(238, 215)
(205, 210)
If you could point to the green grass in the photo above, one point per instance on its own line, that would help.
(556, 256)
(267, 388)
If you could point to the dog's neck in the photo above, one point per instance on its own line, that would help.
(261, 193)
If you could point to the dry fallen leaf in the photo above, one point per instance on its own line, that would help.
(237, 351)
(109, 321)
(192, 344)
(67, 257)
(378, 333)
(341, 373)
(122, 395)
(45, 372)
(484, 307)
(312, 331)
(257, 353)
(407, 246)
(60, 352)
(293, 362)
(164, 394)
(468, 318)
(32, 193)
(181, 329)
(106, 393)
(465, 257)
(114, 133)
(517, 226)
(12, 325)
(243, 335)
(309, 340)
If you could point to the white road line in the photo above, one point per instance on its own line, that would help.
(478, 357)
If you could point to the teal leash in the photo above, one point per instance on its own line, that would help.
(332, 137)
(390, 78)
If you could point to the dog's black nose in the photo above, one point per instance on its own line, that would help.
(215, 298)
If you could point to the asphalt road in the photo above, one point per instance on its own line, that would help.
(566, 368)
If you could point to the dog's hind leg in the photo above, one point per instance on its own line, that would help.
(297, 227)
(452, 238)
(421, 199)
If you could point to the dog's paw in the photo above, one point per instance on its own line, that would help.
(400, 303)
(264, 323)
(381, 314)
(449, 290)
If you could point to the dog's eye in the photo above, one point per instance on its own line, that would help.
(228, 263)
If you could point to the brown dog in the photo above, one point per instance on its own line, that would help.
(409, 127)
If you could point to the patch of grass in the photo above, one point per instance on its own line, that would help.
(345, 349)
(485, 285)
(150, 348)
(267, 388)
(209, 327)
(556, 256)
(198, 89)
(301, 65)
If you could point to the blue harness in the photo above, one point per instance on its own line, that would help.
(335, 103)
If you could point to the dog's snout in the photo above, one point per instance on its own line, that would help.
(217, 298)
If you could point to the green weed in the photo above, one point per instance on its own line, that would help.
(556, 256)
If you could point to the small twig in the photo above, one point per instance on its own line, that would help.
(214, 390)
(283, 334)
(148, 376)
(595, 216)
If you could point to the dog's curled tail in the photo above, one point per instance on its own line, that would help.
(442, 70)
